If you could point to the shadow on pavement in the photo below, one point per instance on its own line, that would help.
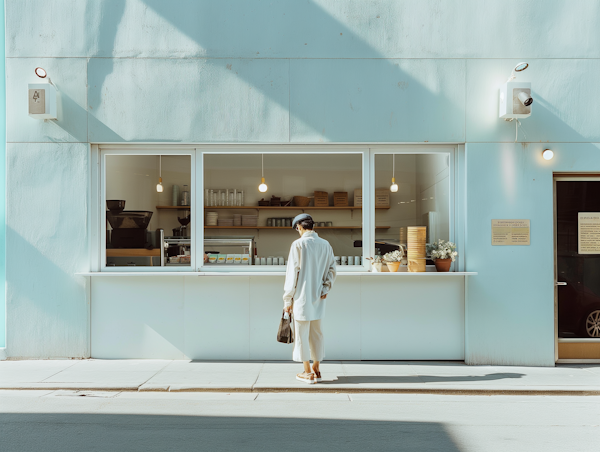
(358, 379)
(112, 432)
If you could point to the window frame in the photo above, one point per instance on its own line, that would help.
(281, 149)
(452, 150)
(97, 209)
(102, 153)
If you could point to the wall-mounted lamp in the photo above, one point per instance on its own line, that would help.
(394, 186)
(42, 96)
(262, 187)
(515, 97)
(547, 154)
(159, 186)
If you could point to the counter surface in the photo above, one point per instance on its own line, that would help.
(250, 273)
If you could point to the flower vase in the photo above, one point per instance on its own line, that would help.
(377, 267)
(393, 266)
(443, 265)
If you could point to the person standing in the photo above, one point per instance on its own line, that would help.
(309, 277)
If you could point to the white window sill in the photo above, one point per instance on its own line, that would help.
(273, 273)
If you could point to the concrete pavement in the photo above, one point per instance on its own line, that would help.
(65, 420)
(269, 376)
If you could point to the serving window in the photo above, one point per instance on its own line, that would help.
(148, 211)
(206, 209)
(412, 190)
(248, 219)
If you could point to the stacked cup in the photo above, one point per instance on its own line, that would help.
(416, 237)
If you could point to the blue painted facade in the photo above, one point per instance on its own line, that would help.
(300, 72)
(2, 186)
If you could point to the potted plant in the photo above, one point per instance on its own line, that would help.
(377, 263)
(443, 254)
(393, 259)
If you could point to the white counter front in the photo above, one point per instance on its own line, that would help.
(372, 316)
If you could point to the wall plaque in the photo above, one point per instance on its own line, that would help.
(510, 232)
(588, 232)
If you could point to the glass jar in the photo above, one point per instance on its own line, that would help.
(185, 196)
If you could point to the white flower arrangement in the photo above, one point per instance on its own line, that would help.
(394, 256)
(442, 250)
(376, 260)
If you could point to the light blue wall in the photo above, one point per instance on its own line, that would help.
(289, 71)
(2, 185)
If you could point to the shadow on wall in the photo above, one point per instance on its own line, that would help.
(211, 433)
(334, 99)
(45, 291)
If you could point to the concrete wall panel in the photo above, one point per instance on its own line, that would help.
(133, 320)
(216, 322)
(188, 100)
(312, 29)
(46, 237)
(377, 100)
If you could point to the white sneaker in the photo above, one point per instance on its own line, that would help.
(306, 378)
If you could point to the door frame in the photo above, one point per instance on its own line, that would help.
(566, 177)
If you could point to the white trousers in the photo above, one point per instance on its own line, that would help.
(308, 341)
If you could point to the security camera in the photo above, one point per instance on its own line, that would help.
(515, 96)
(525, 98)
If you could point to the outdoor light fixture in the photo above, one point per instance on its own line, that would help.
(262, 187)
(159, 186)
(394, 186)
(547, 154)
(42, 97)
(518, 68)
(41, 72)
(515, 97)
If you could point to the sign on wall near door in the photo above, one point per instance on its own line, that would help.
(588, 232)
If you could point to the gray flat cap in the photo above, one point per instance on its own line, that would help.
(299, 218)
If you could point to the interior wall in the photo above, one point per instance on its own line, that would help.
(134, 178)
(289, 175)
(433, 199)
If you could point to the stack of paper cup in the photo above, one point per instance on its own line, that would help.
(416, 237)
(211, 218)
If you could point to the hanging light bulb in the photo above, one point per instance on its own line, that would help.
(159, 187)
(262, 187)
(394, 186)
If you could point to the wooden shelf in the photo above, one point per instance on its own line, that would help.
(132, 252)
(289, 228)
(281, 208)
(174, 207)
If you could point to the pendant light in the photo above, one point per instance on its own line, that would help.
(394, 186)
(159, 187)
(262, 187)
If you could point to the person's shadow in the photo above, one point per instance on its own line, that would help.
(371, 379)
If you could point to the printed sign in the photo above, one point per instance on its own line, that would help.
(510, 232)
(588, 232)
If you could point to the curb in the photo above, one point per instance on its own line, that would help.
(322, 390)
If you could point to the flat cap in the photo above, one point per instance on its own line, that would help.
(299, 218)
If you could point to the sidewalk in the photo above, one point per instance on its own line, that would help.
(437, 377)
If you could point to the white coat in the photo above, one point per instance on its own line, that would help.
(309, 275)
